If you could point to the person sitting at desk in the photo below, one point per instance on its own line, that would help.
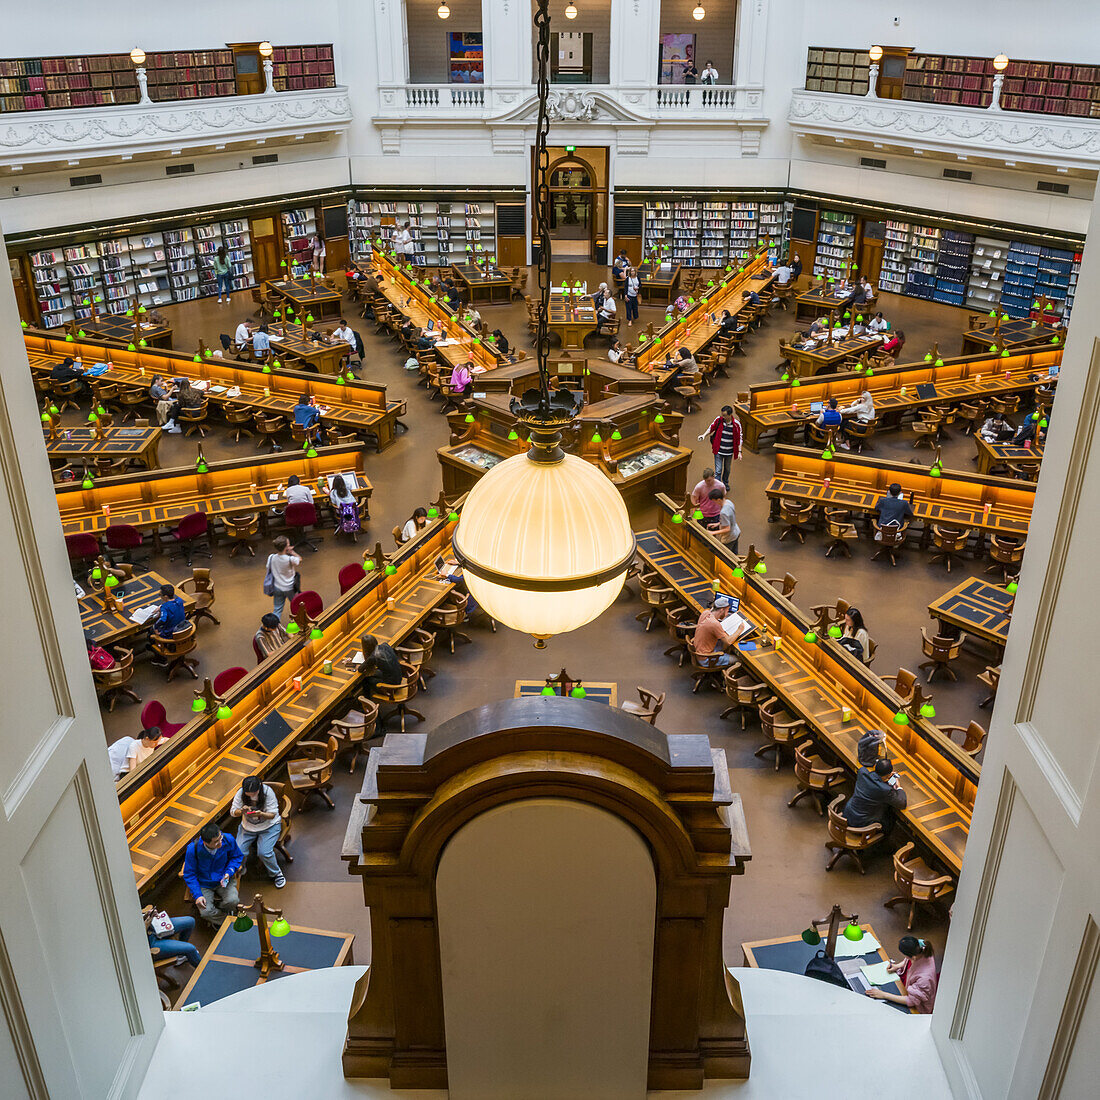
(462, 380)
(345, 508)
(117, 754)
(296, 492)
(684, 364)
(819, 327)
(750, 298)
(261, 342)
(618, 270)
(174, 943)
(69, 371)
(473, 318)
(858, 294)
(210, 863)
(862, 409)
(829, 419)
(701, 499)
(1029, 431)
(996, 429)
(606, 313)
(615, 352)
(414, 524)
(877, 791)
(893, 509)
(710, 637)
(172, 612)
(344, 332)
(728, 323)
(600, 295)
(450, 293)
(308, 416)
(878, 323)
(782, 274)
(501, 341)
(141, 749)
(796, 267)
(854, 636)
(380, 666)
(271, 635)
(918, 976)
(894, 344)
(242, 337)
(257, 805)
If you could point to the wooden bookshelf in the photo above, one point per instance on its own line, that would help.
(845, 72)
(955, 81)
(301, 67)
(190, 74)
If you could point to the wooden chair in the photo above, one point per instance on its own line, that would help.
(416, 651)
(860, 433)
(655, 596)
(786, 585)
(781, 728)
(973, 736)
(1024, 471)
(926, 431)
(354, 730)
(130, 401)
(950, 542)
(311, 773)
(941, 651)
(647, 708)
(841, 531)
(399, 696)
(903, 683)
(688, 390)
(681, 626)
(65, 394)
(890, 540)
(815, 778)
(174, 650)
(238, 418)
(201, 585)
(195, 419)
(111, 683)
(796, 516)
(917, 883)
(850, 840)
(992, 679)
(285, 810)
(708, 668)
(447, 618)
(240, 530)
(743, 692)
(268, 428)
(817, 437)
(1006, 556)
(970, 416)
(830, 613)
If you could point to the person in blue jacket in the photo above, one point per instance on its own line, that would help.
(210, 863)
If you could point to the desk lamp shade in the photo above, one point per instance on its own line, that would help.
(544, 546)
(280, 927)
(242, 924)
(811, 937)
(853, 932)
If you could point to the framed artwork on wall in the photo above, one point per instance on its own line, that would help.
(677, 54)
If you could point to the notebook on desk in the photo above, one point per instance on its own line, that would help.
(926, 390)
(735, 624)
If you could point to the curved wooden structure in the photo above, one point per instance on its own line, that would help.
(421, 788)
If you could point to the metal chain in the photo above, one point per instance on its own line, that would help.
(542, 201)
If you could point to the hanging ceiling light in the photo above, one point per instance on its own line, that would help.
(443, 11)
(699, 12)
(570, 11)
(544, 539)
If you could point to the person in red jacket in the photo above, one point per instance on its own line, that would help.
(725, 442)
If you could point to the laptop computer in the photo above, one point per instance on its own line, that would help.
(926, 390)
(816, 406)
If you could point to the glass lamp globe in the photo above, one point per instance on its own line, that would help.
(544, 545)
(699, 12)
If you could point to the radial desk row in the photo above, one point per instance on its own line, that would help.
(820, 682)
(191, 780)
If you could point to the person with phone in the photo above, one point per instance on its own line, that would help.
(257, 805)
(210, 864)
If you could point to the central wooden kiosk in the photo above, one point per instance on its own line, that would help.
(672, 791)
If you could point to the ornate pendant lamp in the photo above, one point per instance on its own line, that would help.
(544, 538)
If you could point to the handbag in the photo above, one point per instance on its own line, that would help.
(161, 924)
(269, 580)
(825, 969)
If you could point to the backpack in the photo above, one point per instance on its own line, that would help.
(99, 658)
(826, 970)
(853, 646)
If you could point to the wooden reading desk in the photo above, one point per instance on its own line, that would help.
(295, 342)
(353, 406)
(236, 487)
(994, 505)
(981, 609)
(660, 283)
(1014, 335)
(595, 691)
(820, 301)
(110, 627)
(818, 680)
(307, 296)
(573, 318)
(484, 284)
(84, 445)
(825, 357)
(992, 455)
(117, 328)
(192, 779)
(780, 407)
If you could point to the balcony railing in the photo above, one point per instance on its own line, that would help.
(30, 138)
(1014, 137)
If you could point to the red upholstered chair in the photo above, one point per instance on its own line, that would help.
(193, 528)
(302, 516)
(154, 714)
(82, 548)
(311, 601)
(350, 576)
(225, 680)
(123, 538)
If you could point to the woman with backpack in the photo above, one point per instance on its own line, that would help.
(345, 508)
(282, 581)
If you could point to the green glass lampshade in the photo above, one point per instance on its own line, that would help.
(1055, 340)
(658, 419)
(901, 719)
(935, 471)
(847, 315)
(697, 515)
(207, 352)
(513, 435)
(452, 517)
(811, 937)
(69, 336)
(993, 348)
(738, 572)
(92, 418)
(23, 323)
(853, 932)
(242, 924)
(130, 347)
(111, 581)
(196, 358)
(198, 705)
(81, 333)
(642, 338)
(1004, 316)
(826, 454)
(939, 363)
(293, 628)
(761, 568)
(224, 712)
(97, 574)
(928, 357)
(835, 631)
(316, 633)
(548, 690)
(277, 364)
(795, 383)
(368, 565)
(597, 438)
(1034, 305)
(266, 368)
(784, 377)
(201, 467)
(616, 434)
(45, 418)
(1043, 422)
(282, 263)
(1005, 353)
(312, 452)
(280, 928)
(86, 483)
(859, 317)
(309, 318)
(390, 570)
(869, 372)
(1012, 588)
(992, 313)
(810, 636)
(578, 692)
(927, 710)
(141, 309)
(677, 518)
(469, 418)
(290, 311)
(54, 410)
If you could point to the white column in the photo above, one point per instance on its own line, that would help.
(509, 38)
(76, 982)
(1018, 1007)
(391, 41)
(750, 60)
(635, 35)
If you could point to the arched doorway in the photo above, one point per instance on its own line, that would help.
(576, 207)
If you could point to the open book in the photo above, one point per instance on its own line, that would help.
(736, 626)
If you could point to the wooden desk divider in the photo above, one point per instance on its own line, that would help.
(957, 498)
(644, 459)
(694, 329)
(818, 680)
(191, 780)
(238, 486)
(781, 406)
(352, 406)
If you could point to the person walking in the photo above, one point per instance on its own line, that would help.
(632, 285)
(725, 442)
(222, 272)
(282, 581)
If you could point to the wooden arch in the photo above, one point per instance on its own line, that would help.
(420, 789)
